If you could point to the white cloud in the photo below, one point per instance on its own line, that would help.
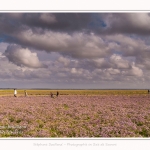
(126, 45)
(100, 62)
(134, 71)
(139, 20)
(77, 71)
(1, 55)
(112, 71)
(64, 61)
(137, 23)
(48, 18)
(119, 62)
(73, 70)
(22, 57)
(77, 45)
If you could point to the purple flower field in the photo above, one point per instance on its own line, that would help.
(75, 116)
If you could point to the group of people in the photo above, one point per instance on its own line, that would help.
(25, 93)
(15, 93)
(52, 95)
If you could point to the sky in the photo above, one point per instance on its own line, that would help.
(75, 50)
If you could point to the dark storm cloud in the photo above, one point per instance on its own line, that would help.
(9, 25)
(65, 33)
(137, 23)
(48, 31)
(14, 25)
(52, 21)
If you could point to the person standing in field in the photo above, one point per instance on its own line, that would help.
(25, 93)
(51, 95)
(57, 93)
(15, 93)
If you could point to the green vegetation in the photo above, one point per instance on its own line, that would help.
(20, 92)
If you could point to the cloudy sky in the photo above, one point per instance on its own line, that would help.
(75, 50)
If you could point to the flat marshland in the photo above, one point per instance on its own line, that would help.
(75, 113)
